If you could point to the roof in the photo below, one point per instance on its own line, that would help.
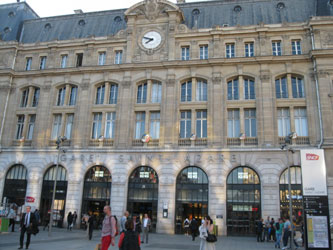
(11, 19)
(205, 14)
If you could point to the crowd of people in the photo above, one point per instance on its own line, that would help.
(279, 231)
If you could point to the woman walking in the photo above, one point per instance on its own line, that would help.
(210, 230)
(203, 234)
(69, 221)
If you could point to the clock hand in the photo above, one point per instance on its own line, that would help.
(150, 39)
(147, 38)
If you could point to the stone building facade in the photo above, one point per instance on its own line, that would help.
(216, 86)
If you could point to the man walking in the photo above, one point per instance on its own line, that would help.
(146, 226)
(28, 222)
(286, 233)
(260, 228)
(194, 228)
(109, 229)
(11, 217)
(123, 221)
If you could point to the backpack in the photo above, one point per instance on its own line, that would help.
(277, 225)
(186, 223)
(131, 241)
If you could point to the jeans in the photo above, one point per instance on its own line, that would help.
(145, 234)
(278, 239)
(286, 237)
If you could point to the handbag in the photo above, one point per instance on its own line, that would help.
(98, 246)
(211, 238)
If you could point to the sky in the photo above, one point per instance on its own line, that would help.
(46, 8)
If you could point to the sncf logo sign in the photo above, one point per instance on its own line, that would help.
(312, 157)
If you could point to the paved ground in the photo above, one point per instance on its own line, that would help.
(77, 239)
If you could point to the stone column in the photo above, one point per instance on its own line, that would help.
(171, 102)
(290, 91)
(30, 96)
(119, 190)
(106, 93)
(73, 198)
(215, 104)
(67, 94)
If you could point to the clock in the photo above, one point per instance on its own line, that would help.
(151, 40)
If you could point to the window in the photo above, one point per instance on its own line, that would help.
(283, 122)
(42, 64)
(230, 50)
(35, 98)
(185, 53)
(101, 58)
(297, 87)
(249, 90)
(100, 94)
(281, 88)
(69, 126)
(24, 98)
(64, 61)
(185, 124)
(201, 93)
(79, 59)
(301, 122)
(110, 124)
(97, 126)
(155, 125)
(31, 126)
(140, 124)
(113, 94)
(249, 49)
(186, 92)
(119, 57)
(204, 52)
(296, 47)
(233, 123)
(19, 127)
(250, 122)
(28, 63)
(61, 96)
(142, 93)
(56, 127)
(233, 93)
(276, 48)
(156, 93)
(201, 126)
(72, 98)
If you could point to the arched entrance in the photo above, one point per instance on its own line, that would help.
(16, 185)
(60, 196)
(296, 193)
(243, 201)
(143, 193)
(96, 192)
(191, 196)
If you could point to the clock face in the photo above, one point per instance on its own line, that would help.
(151, 40)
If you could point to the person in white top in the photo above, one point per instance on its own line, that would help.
(11, 217)
(146, 223)
(203, 234)
(186, 226)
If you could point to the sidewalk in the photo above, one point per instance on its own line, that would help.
(63, 240)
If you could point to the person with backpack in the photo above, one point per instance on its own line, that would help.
(129, 239)
(278, 232)
(91, 222)
(186, 226)
(109, 229)
(272, 230)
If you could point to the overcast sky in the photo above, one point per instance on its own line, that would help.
(46, 8)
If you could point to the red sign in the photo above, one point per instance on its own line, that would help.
(30, 199)
(312, 157)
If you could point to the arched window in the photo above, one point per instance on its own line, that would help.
(296, 193)
(70, 99)
(281, 88)
(100, 92)
(25, 102)
(233, 89)
(191, 196)
(142, 93)
(156, 92)
(16, 185)
(113, 94)
(249, 89)
(243, 201)
(201, 91)
(186, 92)
(297, 84)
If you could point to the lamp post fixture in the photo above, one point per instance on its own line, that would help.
(59, 141)
(288, 140)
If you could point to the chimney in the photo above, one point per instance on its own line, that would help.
(78, 11)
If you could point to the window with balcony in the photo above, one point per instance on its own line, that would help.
(155, 125)
(56, 130)
(69, 126)
(42, 64)
(24, 98)
(100, 92)
(301, 122)
(201, 124)
(101, 58)
(19, 127)
(185, 124)
(140, 118)
(296, 47)
(185, 56)
(142, 93)
(113, 94)
(64, 61)
(249, 49)
(118, 57)
(230, 50)
(249, 89)
(97, 126)
(297, 87)
(233, 123)
(250, 122)
(31, 126)
(110, 124)
(201, 91)
(276, 48)
(233, 90)
(281, 88)
(28, 63)
(61, 96)
(203, 52)
(186, 92)
(156, 92)
(283, 117)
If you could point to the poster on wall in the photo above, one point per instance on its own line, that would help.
(317, 231)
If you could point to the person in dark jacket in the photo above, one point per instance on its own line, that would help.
(194, 228)
(91, 222)
(69, 221)
(260, 228)
(130, 239)
(29, 226)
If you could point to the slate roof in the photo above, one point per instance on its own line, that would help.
(11, 19)
(205, 14)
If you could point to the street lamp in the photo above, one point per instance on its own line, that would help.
(288, 140)
(59, 141)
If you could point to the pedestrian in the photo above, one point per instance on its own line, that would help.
(146, 224)
(129, 238)
(186, 226)
(138, 226)
(293, 224)
(266, 228)
(28, 225)
(11, 216)
(260, 228)
(194, 228)
(286, 232)
(203, 234)
(123, 221)
(74, 218)
(69, 221)
(278, 232)
(108, 229)
(37, 216)
(272, 230)
(46, 221)
(91, 222)
(210, 230)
